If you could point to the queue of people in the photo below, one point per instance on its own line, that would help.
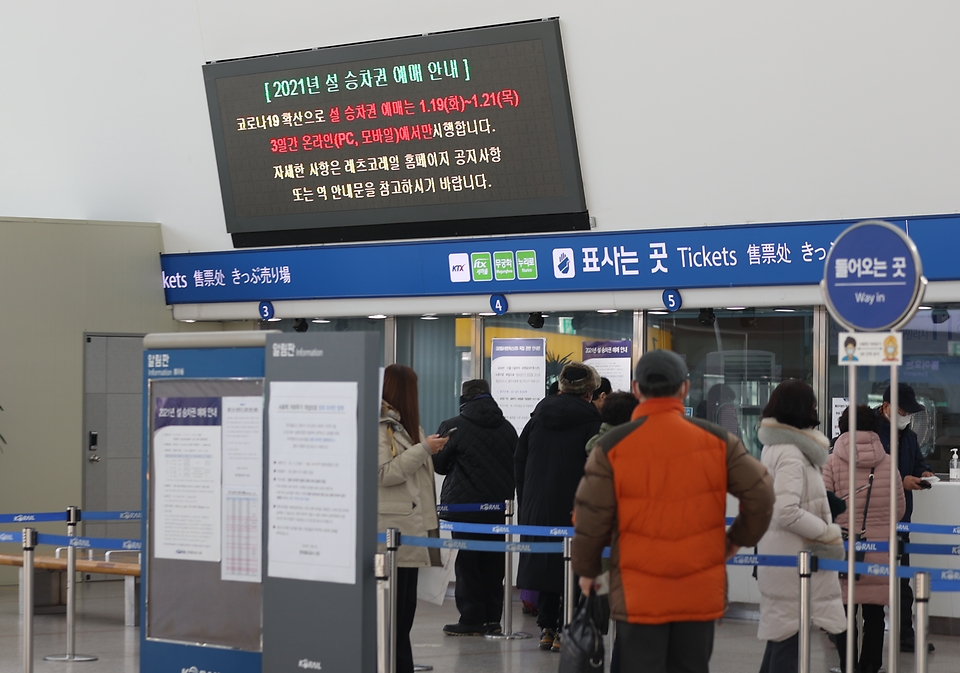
(605, 462)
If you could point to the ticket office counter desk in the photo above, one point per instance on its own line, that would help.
(939, 505)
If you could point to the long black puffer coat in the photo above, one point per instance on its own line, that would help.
(548, 466)
(477, 461)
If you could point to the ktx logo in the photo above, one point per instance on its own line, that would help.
(459, 263)
(177, 280)
(563, 264)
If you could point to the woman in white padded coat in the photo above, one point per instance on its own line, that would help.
(793, 453)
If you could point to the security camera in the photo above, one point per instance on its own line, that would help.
(535, 320)
(300, 325)
(707, 317)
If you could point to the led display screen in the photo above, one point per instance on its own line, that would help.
(449, 134)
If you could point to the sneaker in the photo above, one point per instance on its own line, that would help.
(460, 629)
(556, 643)
(547, 636)
(492, 628)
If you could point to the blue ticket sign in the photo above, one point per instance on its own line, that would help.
(873, 278)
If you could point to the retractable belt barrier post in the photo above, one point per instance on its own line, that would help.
(393, 543)
(805, 569)
(923, 619)
(507, 630)
(383, 577)
(73, 518)
(29, 544)
(568, 589)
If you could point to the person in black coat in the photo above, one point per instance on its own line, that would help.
(478, 464)
(912, 466)
(548, 466)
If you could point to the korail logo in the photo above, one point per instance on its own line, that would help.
(459, 263)
(310, 665)
(564, 265)
(134, 545)
(124, 516)
(24, 517)
(194, 669)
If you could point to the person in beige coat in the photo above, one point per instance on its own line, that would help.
(871, 591)
(793, 453)
(407, 493)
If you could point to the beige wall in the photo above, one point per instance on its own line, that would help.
(59, 279)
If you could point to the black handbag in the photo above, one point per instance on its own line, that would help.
(859, 556)
(581, 649)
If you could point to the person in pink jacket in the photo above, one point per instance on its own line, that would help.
(873, 483)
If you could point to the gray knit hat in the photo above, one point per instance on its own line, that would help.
(577, 378)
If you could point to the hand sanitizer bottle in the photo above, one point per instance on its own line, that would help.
(954, 467)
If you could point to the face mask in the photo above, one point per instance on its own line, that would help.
(904, 421)
(850, 352)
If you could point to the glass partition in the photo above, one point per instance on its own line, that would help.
(565, 333)
(931, 365)
(736, 357)
(439, 348)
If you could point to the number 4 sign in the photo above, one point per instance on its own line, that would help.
(498, 304)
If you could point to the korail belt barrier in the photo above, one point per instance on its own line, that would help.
(927, 579)
(29, 538)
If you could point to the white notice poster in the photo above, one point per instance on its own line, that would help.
(242, 530)
(312, 488)
(518, 375)
(612, 360)
(186, 473)
(839, 404)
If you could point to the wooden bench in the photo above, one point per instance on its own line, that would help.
(129, 571)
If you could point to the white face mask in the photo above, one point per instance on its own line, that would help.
(904, 421)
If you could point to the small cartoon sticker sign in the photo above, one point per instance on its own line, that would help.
(871, 348)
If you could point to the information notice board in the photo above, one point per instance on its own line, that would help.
(205, 510)
(442, 128)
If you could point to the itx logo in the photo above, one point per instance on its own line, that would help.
(563, 264)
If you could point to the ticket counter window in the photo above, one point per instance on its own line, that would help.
(931, 366)
(439, 348)
(565, 334)
(736, 358)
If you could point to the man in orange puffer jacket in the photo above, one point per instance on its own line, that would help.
(666, 525)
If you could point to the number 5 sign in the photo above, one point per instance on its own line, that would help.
(672, 300)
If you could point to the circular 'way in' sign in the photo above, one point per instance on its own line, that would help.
(873, 277)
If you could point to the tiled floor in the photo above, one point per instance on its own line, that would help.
(101, 632)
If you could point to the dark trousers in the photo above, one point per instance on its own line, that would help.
(871, 654)
(548, 610)
(479, 588)
(907, 634)
(781, 657)
(676, 647)
(406, 611)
